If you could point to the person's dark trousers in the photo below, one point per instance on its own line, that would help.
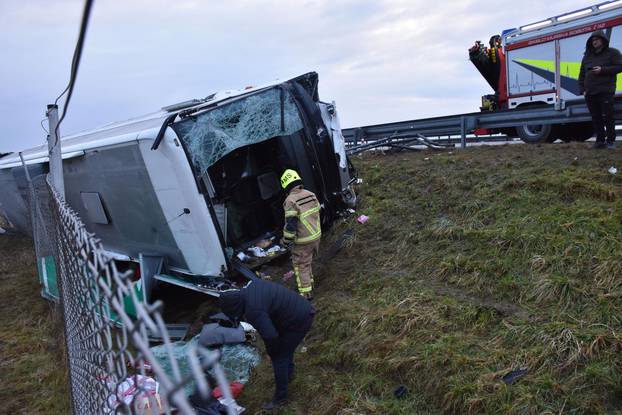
(602, 110)
(283, 360)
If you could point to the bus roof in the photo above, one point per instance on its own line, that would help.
(128, 130)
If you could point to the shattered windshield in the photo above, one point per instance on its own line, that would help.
(256, 118)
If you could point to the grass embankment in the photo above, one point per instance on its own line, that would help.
(33, 376)
(473, 264)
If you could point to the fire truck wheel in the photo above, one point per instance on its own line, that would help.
(533, 134)
(575, 132)
(510, 132)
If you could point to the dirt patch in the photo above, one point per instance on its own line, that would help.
(503, 308)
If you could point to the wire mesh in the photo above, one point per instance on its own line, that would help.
(111, 366)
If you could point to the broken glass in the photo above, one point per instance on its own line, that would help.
(211, 135)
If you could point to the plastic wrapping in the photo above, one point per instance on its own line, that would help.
(133, 390)
(237, 360)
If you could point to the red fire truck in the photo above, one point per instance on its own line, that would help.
(538, 65)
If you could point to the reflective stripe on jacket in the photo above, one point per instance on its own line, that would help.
(302, 206)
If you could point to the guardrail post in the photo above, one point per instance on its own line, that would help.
(463, 132)
(358, 133)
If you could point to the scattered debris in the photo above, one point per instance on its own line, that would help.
(237, 360)
(264, 243)
(127, 393)
(256, 251)
(512, 377)
(5, 225)
(214, 334)
(362, 219)
(263, 275)
(272, 251)
(243, 257)
(235, 387)
(359, 181)
(175, 331)
(288, 276)
(229, 251)
(213, 406)
(248, 327)
(400, 391)
(259, 252)
(144, 366)
(612, 170)
(427, 158)
(250, 334)
(148, 405)
(232, 404)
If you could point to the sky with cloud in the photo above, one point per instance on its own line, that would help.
(380, 60)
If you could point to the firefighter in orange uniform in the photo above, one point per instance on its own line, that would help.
(302, 231)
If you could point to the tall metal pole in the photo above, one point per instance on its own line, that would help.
(56, 160)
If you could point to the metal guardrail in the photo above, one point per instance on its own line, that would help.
(463, 124)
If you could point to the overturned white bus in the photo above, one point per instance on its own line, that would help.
(178, 193)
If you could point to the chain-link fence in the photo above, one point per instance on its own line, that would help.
(112, 368)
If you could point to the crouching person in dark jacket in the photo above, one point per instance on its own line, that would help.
(281, 317)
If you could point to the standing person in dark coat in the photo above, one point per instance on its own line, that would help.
(597, 81)
(281, 317)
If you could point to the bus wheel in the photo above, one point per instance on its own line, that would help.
(533, 134)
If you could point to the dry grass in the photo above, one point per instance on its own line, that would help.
(473, 264)
(33, 365)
